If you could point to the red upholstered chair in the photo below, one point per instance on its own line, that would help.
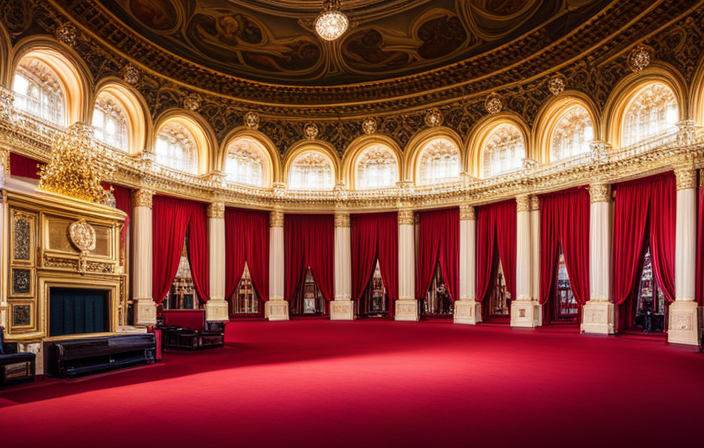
(189, 329)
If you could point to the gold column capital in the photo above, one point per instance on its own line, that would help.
(276, 218)
(523, 203)
(686, 178)
(405, 217)
(467, 213)
(216, 210)
(342, 219)
(600, 193)
(142, 198)
(534, 203)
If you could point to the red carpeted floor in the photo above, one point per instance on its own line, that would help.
(318, 383)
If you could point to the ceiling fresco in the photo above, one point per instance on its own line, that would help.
(272, 41)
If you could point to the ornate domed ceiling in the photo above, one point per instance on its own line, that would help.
(273, 41)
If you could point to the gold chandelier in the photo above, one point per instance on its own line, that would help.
(331, 23)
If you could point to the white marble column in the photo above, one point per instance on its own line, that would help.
(342, 307)
(525, 311)
(467, 309)
(276, 307)
(4, 306)
(216, 307)
(142, 295)
(683, 321)
(406, 305)
(535, 254)
(598, 313)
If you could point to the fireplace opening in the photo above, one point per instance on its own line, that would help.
(78, 311)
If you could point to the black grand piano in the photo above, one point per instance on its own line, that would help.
(75, 357)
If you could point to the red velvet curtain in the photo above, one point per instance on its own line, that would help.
(496, 232)
(699, 292)
(644, 208)
(375, 236)
(564, 220)
(123, 202)
(22, 166)
(171, 218)
(439, 242)
(309, 241)
(247, 240)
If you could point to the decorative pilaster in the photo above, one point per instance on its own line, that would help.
(4, 239)
(7, 99)
(342, 307)
(683, 325)
(535, 253)
(142, 295)
(406, 305)
(467, 309)
(216, 307)
(598, 313)
(276, 307)
(525, 311)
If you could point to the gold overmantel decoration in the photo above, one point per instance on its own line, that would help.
(74, 170)
(82, 235)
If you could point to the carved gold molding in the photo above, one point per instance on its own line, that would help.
(342, 219)
(276, 219)
(600, 192)
(467, 213)
(142, 198)
(405, 217)
(686, 179)
(523, 203)
(216, 210)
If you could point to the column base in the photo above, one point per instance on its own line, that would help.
(277, 310)
(526, 313)
(144, 312)
(216, 310)
(468, 312)
(598, 317)
(407, 310)
(683, 326)
(341, 310)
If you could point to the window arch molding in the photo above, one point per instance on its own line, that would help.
(139, 123)
(483, 131)
(627, 89)
(696, 103)
(550, 115)
(414, 149)
(358, 147)
(5, 56)
(198, 127)
(73, 75)
(272, 170)
(302, 146)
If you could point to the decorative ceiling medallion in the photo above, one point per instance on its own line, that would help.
(639, 59)
(493, 103)
(251, 120)
(192, 102)
(556, 85)
(433, 118)
(131, 74)
(67, 34)
(82, 235)
(310, 131)
(369, 126)
(331, 23)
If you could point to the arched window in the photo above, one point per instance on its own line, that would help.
(245, 163)
(573, 133)
(439, 162)
(376, 168)
(652, 111)
(311, 170)
(39, 92)
(504, 150)
(176, 148)
(110, 122)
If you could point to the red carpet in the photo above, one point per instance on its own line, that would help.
(318, 383)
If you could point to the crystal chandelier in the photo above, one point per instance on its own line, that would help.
(331, 23)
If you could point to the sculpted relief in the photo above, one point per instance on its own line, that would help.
(252, 41)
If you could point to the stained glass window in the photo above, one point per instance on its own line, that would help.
(651, 112)
(38, 91)
(439, 162)
(504, 150)
(110, 122)
(245, 164)
(573, 134)
(311, 170)
(176, 148)
(377, 168)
